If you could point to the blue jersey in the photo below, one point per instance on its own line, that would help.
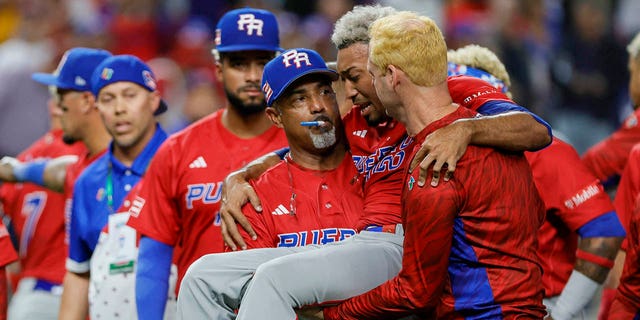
(99, 192)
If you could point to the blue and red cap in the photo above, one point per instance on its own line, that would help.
(125, 68)
(247, 29)
(291, 65)
(74, 70)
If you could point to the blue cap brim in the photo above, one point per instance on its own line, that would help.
(45, 78)
(332, 75)
(249, 47)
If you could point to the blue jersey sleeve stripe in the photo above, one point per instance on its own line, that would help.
(491, 108)
(606, 225)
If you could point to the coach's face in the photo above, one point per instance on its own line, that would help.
(73, 107)
(240, 73)
(352, 67)
(127, 111)
(310, 98)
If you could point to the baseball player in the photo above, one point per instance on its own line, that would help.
(180, 198)
(625, 305)
(127, 99)
(576, 205)
(7, 255)
(37, 215)
(485, 265)
(382, 143)
(320, 193)
(80, 121)
(607, 158)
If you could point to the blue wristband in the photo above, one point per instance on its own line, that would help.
(30, 172)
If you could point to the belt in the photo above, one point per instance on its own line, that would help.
(44, 285)
(388, 228)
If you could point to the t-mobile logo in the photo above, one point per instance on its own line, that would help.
(249, 23)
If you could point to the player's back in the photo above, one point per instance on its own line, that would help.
(37, 214)
(493, 268)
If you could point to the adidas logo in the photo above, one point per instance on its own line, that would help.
(280, 210)
(360, 133)
(198, 163)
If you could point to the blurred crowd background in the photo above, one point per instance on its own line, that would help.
(567, 59)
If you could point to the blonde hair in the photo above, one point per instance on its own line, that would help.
(412, 43)
(479, 57)
(634, 47)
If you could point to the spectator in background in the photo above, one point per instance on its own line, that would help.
(588, 74)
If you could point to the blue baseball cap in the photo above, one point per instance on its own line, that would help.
(125, 68)
(283, 70)
(74, 70)
(247, 29)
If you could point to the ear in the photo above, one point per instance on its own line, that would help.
(219, 71)
(89, 102)
(155, 101)
(393, 74)
(274, 116)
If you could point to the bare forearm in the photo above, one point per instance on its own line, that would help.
(257, 167)
(605, 247)
(513, 131)
(75, 297)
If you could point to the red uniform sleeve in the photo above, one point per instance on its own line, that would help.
(154, 212)
(629, 188)
(259, 225)
(410, 291)
(576, 197)
(609, 157)
(627, 301)
(7, 252)
(472, 93)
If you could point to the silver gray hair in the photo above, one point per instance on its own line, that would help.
(353, 27)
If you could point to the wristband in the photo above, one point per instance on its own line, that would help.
(601, 261)
(577, 293)
(30, 172)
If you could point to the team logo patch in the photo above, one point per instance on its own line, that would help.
(411, 182)
(294, 57)
(106, 74)
(248, 22)
(631, 122)
(218, 38)
(148, 79)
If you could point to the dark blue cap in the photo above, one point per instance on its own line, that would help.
(125, 68)
(247, 29)
(288, 67)
(74, 70)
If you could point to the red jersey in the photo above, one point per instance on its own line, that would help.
(312, 207)
(7, 252)
(608, 157)
(572, 197)
(627, 301)
(180, 194)
(37, 214)
(629, 188)
(379, 152)
(470, 244)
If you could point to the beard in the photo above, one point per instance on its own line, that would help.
(244, 109)
(324, 140)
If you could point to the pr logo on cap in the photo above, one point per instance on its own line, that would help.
(249, 22)
(148, 80)
(297, 57)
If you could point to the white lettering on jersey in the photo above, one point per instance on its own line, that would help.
(297, 57)
(322, 236)
(249, 23)
(583, 195)
(136, 206)
(208, 193)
